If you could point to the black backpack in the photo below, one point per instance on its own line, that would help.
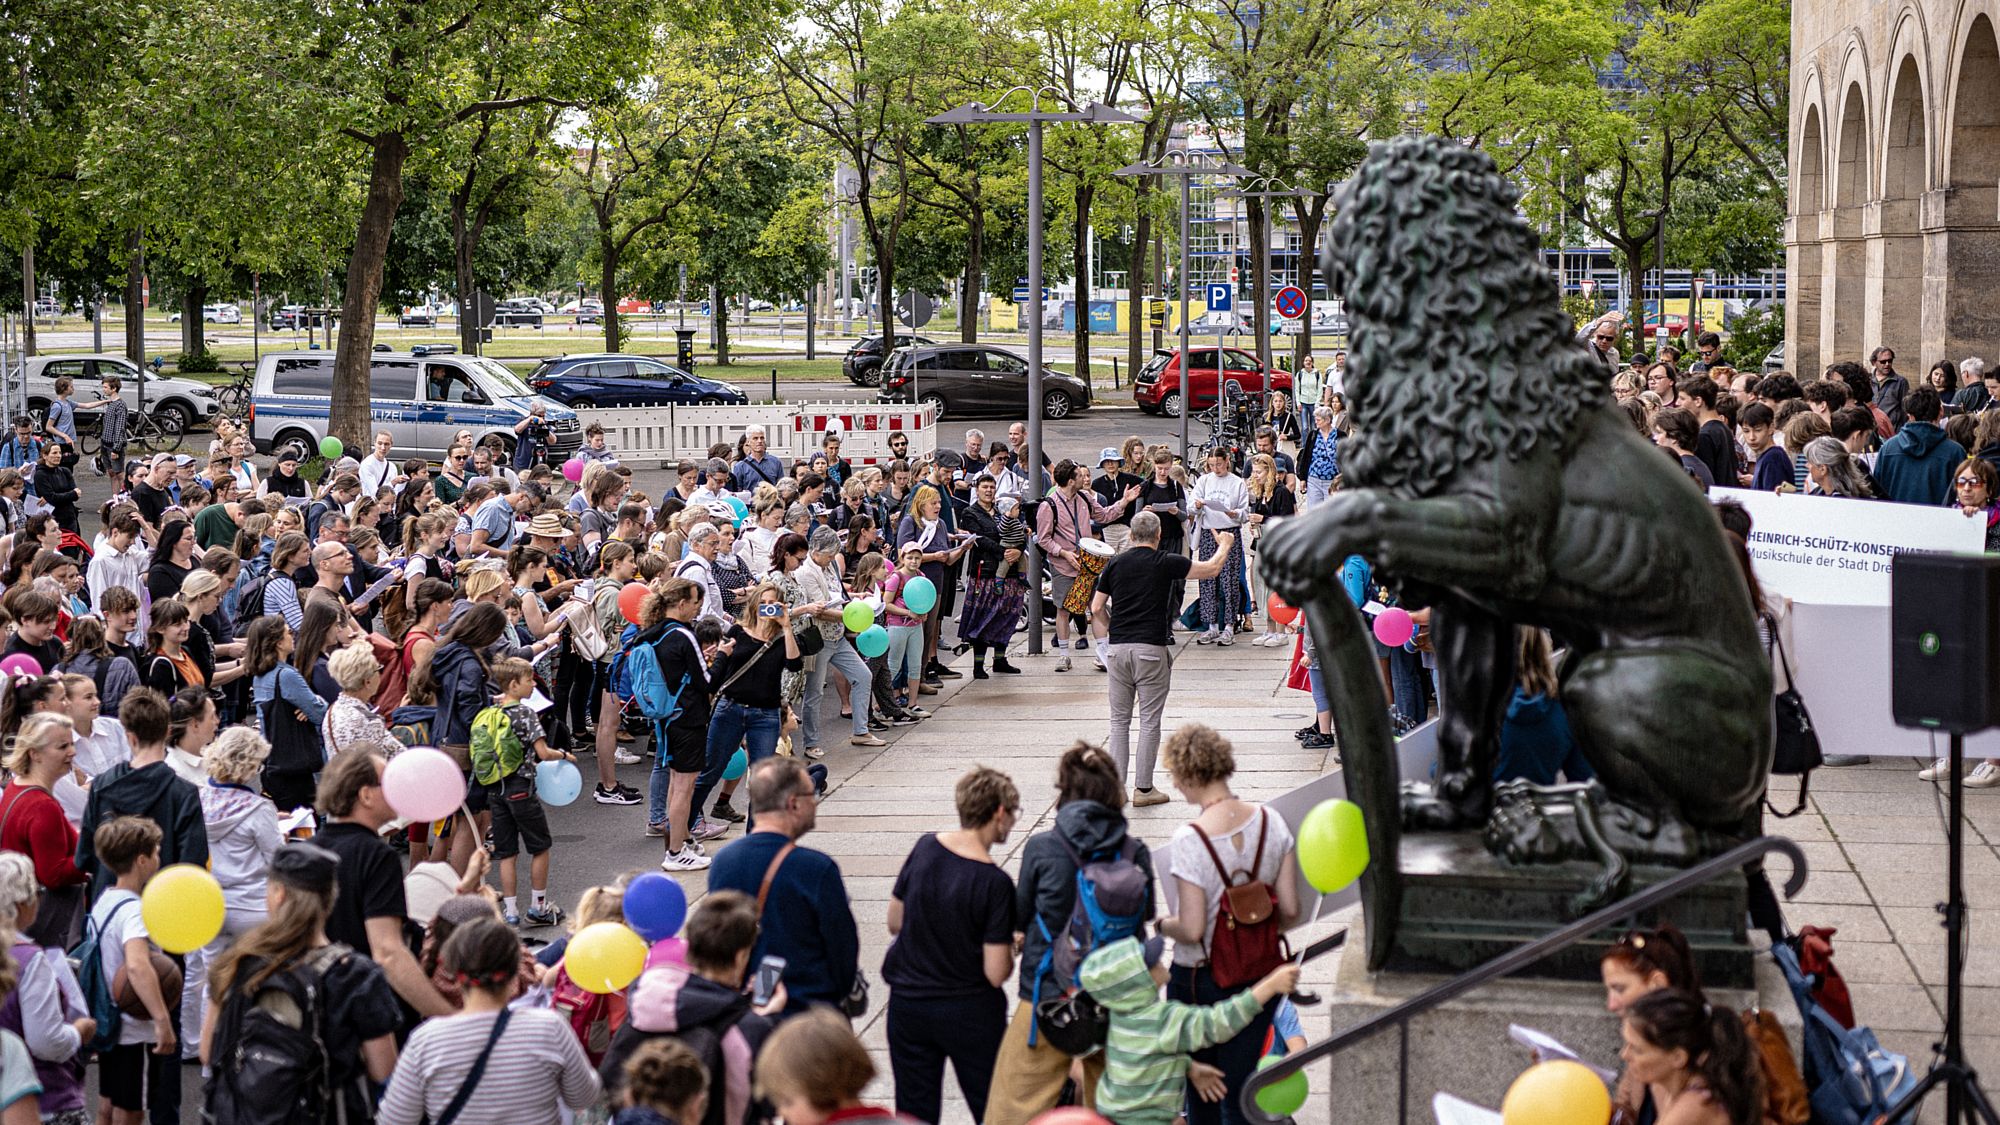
(250, 603)
(272, 1064)
(705, 1040)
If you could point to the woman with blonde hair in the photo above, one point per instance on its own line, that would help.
(352, 721)
(1270, 501)
(41, 754)
(48, 1010)
(813, 1069)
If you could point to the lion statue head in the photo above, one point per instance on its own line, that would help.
(1460, 350)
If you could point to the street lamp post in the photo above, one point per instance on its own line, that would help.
(1184, 165)
(978, 113)
(1272, 188)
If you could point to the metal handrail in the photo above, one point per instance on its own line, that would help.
(1524, 956)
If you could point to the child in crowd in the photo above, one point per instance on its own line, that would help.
(1126, 977)
(664, 1085)
(594, 1016)
(129, 847)
(501, 735)
(35, 629)
(1013, 531)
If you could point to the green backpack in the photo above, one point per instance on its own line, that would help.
(496, 751)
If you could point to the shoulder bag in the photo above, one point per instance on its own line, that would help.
(478, 1071)
(1248, 943)
(1797, 751)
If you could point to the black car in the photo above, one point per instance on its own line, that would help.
(517, 314)
(969, 379)
(610, 379)
(863, 362)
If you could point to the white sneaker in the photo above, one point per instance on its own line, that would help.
(1207, 637)
(1228, 637)
(683, 860)
(625, 757)
(1936, 771)
(1985, 775)
(1062, 665)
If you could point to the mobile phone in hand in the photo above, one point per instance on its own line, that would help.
(769, 970)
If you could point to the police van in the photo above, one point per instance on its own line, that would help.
(421, 398)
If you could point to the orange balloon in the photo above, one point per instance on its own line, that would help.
(630, 598)
(1280, 612)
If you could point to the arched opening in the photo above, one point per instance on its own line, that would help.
(1844, 305)
(1895, 249)
(1803, 256)
(1962, 253)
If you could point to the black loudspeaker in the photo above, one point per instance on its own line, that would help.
(1944, 641)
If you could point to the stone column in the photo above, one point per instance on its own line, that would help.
(1892, 307)
(1843, 286)
(1803, 262)
(1961, 233)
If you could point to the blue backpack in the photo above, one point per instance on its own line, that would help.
(621, 666)
(656, 700)
(1110, 905)
(95, 983)
(1850, 1078)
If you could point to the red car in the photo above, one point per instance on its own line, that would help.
(1157, 387)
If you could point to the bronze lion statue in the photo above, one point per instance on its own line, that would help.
(1489, 477)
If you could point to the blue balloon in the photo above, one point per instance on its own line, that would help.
(919, 595)
(655, 906)
(872, 641)
(739, 764)
(558, 782)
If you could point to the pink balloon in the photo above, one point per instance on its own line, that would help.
(1394, 628)
(667, 951)
(21, 664)
(423, 784)
(573, 469)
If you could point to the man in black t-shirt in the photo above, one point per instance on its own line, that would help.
(152, 494)
(368, 908)
(1136, 599)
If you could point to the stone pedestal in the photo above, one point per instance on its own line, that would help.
(1462, 907)
(1462, 1047)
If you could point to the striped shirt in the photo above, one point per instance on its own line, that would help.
(537, 1060)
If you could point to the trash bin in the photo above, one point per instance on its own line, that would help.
(684, 347)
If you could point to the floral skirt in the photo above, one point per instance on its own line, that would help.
(992, 610)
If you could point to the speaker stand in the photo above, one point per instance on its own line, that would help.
(1963, 1099)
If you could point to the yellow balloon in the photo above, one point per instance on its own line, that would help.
(182, 908)
(1332, 845)
(1560, 1092)
(605, 957)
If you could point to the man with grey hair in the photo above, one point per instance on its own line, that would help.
(699, 568)
(821, 586)
(1319, 456)
(1137, 597)
(493, 523)
(757, 466)
(975, 446)
(1977, 389)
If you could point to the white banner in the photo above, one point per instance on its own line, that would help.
(1832, 551)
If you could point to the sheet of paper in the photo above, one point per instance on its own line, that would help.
(297, 823)
(1547, 1047)
(376, 587)
(540, 702)
(1458, 1111)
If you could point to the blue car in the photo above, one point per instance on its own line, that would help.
(609, 379)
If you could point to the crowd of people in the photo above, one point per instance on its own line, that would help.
(221, 672)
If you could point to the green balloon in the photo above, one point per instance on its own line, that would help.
(1333, 845)
(330, 447)
(857, 616)
(1285, 1096)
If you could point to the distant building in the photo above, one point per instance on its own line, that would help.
(1893, 235)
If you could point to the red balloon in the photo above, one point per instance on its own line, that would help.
(1280, 612)
(630, 598)
(1070, 1115)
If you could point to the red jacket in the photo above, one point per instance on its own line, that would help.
(33, 824)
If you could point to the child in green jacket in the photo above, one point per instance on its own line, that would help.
(1146, 1054)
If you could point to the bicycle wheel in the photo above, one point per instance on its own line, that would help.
(165, 436)
(233, 400)
(90, 441)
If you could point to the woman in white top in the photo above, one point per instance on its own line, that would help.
(753, 544)
(528, 1060)
(248, 482)
(1243, 838)
(100, 742)
(352, 720)
(1220, 501)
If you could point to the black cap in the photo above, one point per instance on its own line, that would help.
(289, 454)
(305, 866)
(949, 460)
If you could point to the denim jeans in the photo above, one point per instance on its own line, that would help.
(837, 654)
(1406, 676)
(906, 654)
(733, 724)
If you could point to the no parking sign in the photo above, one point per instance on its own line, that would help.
(1290, 302)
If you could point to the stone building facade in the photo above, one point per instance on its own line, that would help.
(1894, 231)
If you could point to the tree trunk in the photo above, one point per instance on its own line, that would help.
(193, 338)
(721, 317)
(1137, 277)
(135, 296)
(1635, 294)
(609, 253)
(28, 295)
(975, 270)
(1260, 280)
(1160, 286)
(1080, 260)
(1309, 220)
(463, 243)
(349, 416)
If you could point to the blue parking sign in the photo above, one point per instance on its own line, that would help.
(1220, 294)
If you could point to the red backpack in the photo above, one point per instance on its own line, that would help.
(592, 1016)
(1248, 942)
